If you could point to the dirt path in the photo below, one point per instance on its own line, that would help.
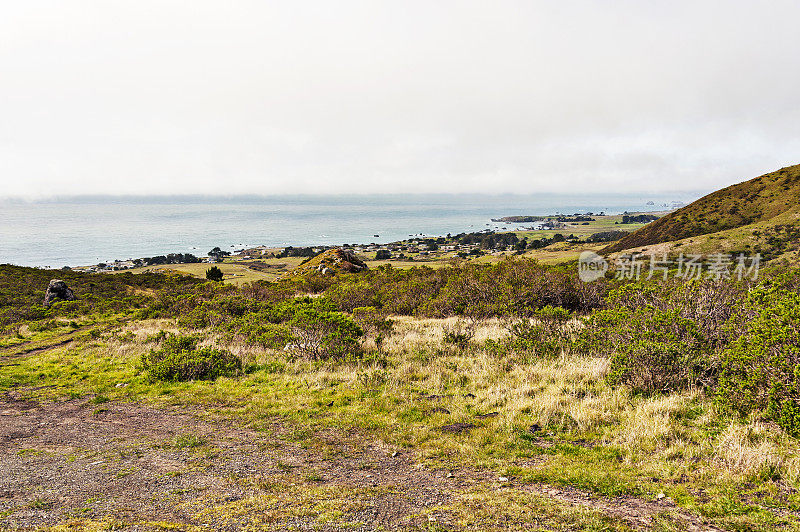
(75, 460)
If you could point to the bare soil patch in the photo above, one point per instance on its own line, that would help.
(638, 513)
(74, 460)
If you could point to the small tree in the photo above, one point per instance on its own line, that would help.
(214, 274)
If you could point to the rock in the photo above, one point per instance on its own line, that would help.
(57, 289)
(503, 479)
(330, 262)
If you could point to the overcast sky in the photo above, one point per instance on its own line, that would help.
(152, 97)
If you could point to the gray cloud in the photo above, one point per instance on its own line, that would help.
(162, 96)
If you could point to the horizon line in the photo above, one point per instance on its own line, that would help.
(306, 195)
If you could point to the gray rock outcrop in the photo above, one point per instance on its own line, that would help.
(57, 290)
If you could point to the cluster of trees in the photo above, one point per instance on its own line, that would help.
(606, 236)
(171, 258)
(575, 219)
(544, 241)
(433, 243)
(638, 219)
(308, 252)
(218, 254)
(488, 240)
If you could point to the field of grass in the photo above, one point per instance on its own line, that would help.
(541, 425)
(235, 271)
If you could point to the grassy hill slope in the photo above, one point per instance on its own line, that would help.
(754, 202)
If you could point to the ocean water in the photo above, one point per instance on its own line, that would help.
(87, 230)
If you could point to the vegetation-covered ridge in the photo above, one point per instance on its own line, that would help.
(771, 197)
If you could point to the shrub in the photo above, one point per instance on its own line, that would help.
(652, 350)
(179, 359)
(545, 335)
(663, 336)
(459, 334)
(320, 334)
(190, 441)
(374, 323)
(214, 274)
(517, 286)
(760, 366)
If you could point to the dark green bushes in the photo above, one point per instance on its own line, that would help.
(321, 335)
(760, 368)
(214, 274)
(511, 287)
(459, 334)
(179, 359)
(310, 326)
(654, 350)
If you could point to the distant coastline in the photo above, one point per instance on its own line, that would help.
(80, 231)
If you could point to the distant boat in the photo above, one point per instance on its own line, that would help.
(375, 236)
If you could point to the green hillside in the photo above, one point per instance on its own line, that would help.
(764, 203)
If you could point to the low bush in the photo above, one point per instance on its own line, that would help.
(321, 335)
(546, 335)
(513, 286)
(664, 336)
(374, 323)
(459, 334)
(652, 350)
(179, 359)
(760, 368)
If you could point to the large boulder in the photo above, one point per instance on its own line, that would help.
(58, 290)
